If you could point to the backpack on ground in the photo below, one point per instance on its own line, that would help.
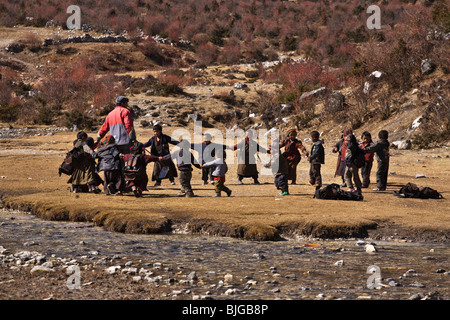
(133, 167)
(70, 162)
(334, 192)
(411, 190)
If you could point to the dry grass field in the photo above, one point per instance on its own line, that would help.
(29, 181)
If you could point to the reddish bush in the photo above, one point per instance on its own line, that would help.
(206, 53)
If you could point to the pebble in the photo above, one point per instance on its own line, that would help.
(339, 263)
(370, 249)
(41, 269)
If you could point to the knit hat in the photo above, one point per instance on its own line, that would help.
(108, 139)
(121, 99)
(291, 130)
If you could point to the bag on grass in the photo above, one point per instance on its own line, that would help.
(334, 192)
(411, 190)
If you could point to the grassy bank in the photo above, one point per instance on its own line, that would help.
(30, 181)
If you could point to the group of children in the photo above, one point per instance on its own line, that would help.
(127, 171)
(347, 165)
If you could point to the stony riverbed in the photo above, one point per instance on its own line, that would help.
(40, 259)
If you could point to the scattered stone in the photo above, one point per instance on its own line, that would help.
(417, 285)
(41, 269)
(427, 67)
(314, 93)
(130, 270)
(228, 277)
(192, 276)
(416, 296)
(370, 249)
(231, 291)
(402, 144)
(339, 263)
(113, 269)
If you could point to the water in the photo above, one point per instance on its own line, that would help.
(230, 268)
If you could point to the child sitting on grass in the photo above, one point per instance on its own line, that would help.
(219, 172)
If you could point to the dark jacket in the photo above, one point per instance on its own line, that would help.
(109, 158)
(381, 150)
(352, 150)
(163, 148)
(317, 153)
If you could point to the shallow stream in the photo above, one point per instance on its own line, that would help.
(228, 268)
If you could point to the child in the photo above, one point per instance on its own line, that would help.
(247, 157)
(219, 172)
(381, 150)
(207, 149)
(185, 161)
(279, 162)
(351, 170)
(159, 146)
(109, 163)
(317, 158)
(367, 168)
(84, 176)
(135, 169)
(291, 153)
(340, 166)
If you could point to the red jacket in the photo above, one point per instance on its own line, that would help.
(368, 156)
(119, 123)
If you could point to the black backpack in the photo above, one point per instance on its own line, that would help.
(71, 161)
(334, 192)
(133, 167)
(411, 190)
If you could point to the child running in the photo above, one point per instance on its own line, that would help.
(219, 172)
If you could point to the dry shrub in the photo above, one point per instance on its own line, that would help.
(258, 232)
(32, 42)
(206, 53)
(153, 50)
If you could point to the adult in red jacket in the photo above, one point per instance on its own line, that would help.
(119, 123)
